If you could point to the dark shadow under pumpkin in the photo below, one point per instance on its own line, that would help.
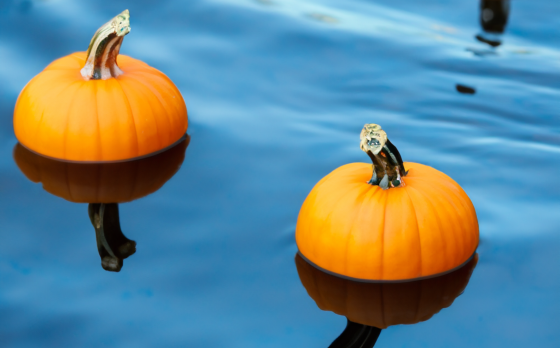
(371, 307)
(103, 186)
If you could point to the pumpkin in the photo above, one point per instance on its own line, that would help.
(101, 182)
(86, 107)
(384, 304)
(398, 225)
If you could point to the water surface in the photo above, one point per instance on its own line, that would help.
(277, 92)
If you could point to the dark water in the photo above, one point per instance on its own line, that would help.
(277, 92)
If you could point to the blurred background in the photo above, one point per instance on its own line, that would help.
(277, 92)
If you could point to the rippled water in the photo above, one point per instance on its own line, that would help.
(277, 92)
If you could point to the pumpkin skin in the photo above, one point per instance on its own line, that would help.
(101, 182)
(61, 115)
(357, 230)
(384, 304)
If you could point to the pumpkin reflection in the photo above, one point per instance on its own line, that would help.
(370, 307)
(103, 186)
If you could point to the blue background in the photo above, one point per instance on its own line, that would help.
(277, 93)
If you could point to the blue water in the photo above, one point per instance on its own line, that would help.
(277, 93)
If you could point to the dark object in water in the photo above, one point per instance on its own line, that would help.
(494, 15)
(491, 42)
(465, 89)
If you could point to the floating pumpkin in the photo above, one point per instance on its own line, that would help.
(86, 107)
(101, 182)
(384, 304)
(406, 221)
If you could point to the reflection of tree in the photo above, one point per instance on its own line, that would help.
(112, 244)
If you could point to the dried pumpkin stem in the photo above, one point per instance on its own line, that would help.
(388, 167)
(101, 62)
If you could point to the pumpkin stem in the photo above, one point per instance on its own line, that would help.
(112, 244)
(357, 336)
(388, 167)
(101, 62)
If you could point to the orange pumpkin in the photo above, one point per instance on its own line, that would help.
(85, 107)
(399, 225)
(384, 304)
(101, 182)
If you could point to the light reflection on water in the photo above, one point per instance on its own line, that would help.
(277, 92)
